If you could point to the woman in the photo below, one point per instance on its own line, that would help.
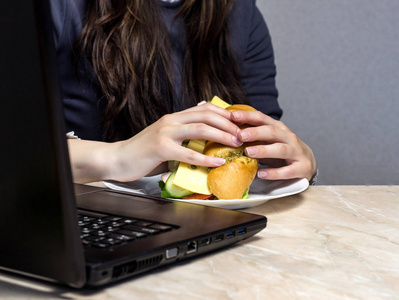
(133, 72)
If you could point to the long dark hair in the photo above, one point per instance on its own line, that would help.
(127, 44)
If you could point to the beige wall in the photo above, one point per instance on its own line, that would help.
(338, 78)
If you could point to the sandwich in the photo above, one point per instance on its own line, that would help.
(229, 181)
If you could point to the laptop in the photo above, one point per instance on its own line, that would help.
(72, 234)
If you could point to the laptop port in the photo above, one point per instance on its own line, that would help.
(205, 242)
(241, 231)
(230, 235)
(171, 253)
(218, 238)
(191, 247)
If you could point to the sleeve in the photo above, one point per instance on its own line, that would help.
(81, 93)
(71, 135)
(58, 13)
(256, 59)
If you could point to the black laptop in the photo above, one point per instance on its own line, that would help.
(78, 234)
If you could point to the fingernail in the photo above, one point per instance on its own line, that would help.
(236, 141)
(237, 114)
(251, 151)
(244, 135)
(219, 161)
(262, 174)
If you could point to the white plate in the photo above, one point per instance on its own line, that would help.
(260, 191)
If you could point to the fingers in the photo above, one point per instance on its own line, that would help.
(209, 107)
(181, 132)
(196, 158)
(267, 133)
(255, 118)
(276, 151)
(298, 169)
(285, 161)
(279, 144)
(209, 114)
(206, 132)
(277, 173)
(264, 128)
(193, 157)
(279, 152)
(207, 122)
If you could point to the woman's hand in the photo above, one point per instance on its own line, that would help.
(162, 141)
(287, 156)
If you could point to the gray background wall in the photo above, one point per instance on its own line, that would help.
(338, 78)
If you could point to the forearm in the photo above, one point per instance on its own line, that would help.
(90, 160)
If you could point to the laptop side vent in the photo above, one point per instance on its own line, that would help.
(149, 262)
(136, 266)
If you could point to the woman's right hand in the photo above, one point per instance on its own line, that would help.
(138, 156)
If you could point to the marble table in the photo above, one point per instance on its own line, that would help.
(329, 242)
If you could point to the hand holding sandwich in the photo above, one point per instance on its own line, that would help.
(287, 156)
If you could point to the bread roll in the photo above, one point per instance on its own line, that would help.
(231, 180)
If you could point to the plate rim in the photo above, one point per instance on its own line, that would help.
(224, 203)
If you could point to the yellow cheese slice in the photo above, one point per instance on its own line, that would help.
(197, 145)
(195, 178)
(192, 178)
(219, 102)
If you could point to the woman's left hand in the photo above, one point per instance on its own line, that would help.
(287, 156)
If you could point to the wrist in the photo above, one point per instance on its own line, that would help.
(90, 161)
(110, 158)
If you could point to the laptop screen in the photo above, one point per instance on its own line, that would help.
(35, 185)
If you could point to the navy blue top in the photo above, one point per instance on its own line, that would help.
(83, 98)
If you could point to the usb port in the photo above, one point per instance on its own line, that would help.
(218, 238)
(229, 235)
(191, 247)
(241, 231)
(205, 242)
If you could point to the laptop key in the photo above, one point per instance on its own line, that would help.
(143, 223)
(129, 221)
(100, 245)
(82, 223)
(161, 227)
(122, 237)
(113, 218)
(110, 229)
(101, 233)
(141, 229)
(96, 226)
(112, 241)
(94, 238)
(86, 242)
(117, 224)
(132, 233)
(102, 221)
(86, 230)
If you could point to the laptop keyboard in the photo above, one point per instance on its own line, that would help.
(104, 231)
